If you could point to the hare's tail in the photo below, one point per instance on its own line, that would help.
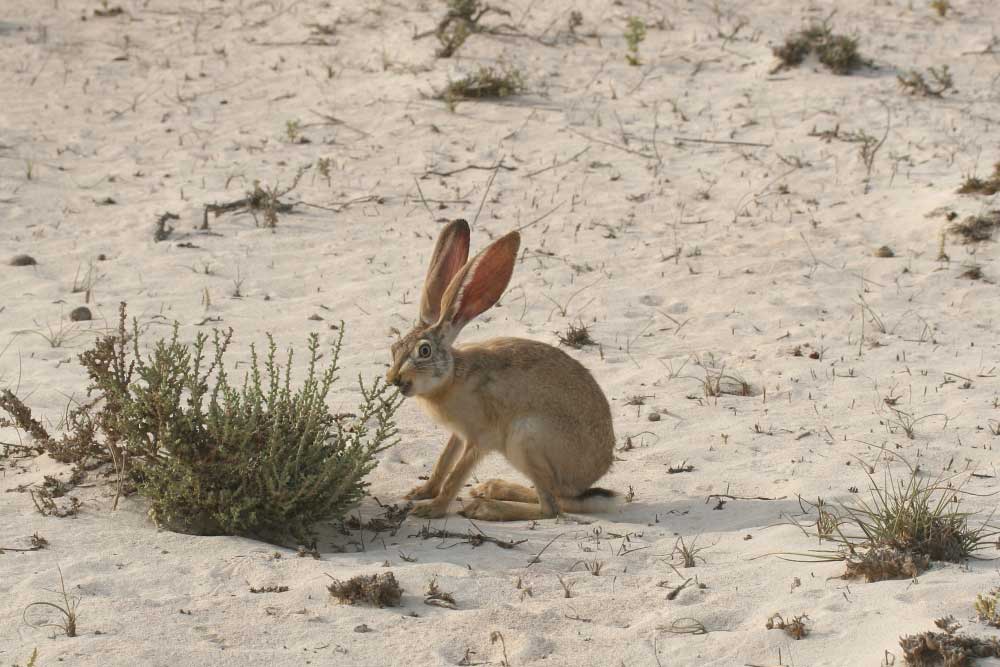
(594, 500)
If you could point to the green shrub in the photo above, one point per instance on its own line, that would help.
(260, 458)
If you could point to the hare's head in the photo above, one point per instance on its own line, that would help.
(456, 290)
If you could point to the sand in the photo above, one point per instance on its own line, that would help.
(700, 213)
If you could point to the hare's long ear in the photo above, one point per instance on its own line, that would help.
(478, 286)
(450, 255)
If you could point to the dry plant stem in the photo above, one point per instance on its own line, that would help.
(67, 609)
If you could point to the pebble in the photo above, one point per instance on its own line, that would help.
(81, 314)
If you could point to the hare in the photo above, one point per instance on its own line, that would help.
(527, 400)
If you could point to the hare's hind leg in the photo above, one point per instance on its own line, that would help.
(498, 489)
(486, 509)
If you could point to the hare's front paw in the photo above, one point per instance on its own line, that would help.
(430, 509)
(421, 492)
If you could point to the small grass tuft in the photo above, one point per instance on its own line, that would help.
(916, 84)
(977, 228)
(688, 553)
(635, 34)
(576, 336)
(488, 82)
(973, 185)
(66, 607)
(378, 590)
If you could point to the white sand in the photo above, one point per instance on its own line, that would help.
(175, 105)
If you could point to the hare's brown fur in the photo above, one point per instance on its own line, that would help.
(529, 401)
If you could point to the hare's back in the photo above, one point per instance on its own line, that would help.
(522, 377)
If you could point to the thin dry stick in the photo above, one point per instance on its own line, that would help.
(542, 217)
(423, 200)
(556, 165)
(721, 142)
(538, 557)
(489, 184)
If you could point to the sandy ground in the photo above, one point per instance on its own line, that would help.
(681, 256)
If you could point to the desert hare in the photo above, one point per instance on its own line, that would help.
(529, 401)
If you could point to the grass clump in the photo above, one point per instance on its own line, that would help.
(838, 52)
(904, 526)
(378, 590)
(213, 456)
(488, 82)
(576, 336)
(977, 228)
(973, 185)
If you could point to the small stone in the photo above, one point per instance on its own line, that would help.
(362, 628)
(884, 251)
(81, 314)
(653, 416)
(23, 260)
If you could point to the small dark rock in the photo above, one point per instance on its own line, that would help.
(653, 416)
(23, 260)
(81, 314)
(362, 628)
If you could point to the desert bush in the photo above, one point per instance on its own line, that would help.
(257, 458)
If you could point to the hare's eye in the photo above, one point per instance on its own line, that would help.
(424, 350)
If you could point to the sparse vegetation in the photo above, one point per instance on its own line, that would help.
(688, 553)
(576, 336)
(941, 7)
(982, 186)
(635, 34)
(986, 607)
(488, 82)
(947, 648)
(977, 228)
(377, 590)
(916, 84)
(795, 628)
(66, 606)
(907, 524)
(460, 21)
(838, 52)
